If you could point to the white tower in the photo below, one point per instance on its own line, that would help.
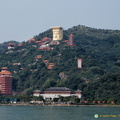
(57, 33)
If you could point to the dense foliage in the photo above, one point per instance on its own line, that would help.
(99, 77)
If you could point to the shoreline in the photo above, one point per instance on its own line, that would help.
(25, 104)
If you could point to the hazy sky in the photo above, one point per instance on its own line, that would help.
(23, 19)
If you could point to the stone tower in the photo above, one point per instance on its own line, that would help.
(57, 33)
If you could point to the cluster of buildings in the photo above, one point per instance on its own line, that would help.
(46, 42)
(12, 45)
(58, 35)
(50, 93)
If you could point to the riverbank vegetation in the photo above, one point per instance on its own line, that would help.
(25, 99)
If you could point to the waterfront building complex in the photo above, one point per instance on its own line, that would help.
(56, 92)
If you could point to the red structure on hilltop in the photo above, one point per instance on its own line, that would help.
(5, 82)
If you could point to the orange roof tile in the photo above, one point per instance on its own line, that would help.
(21, 68)
(16, 64)
(46, 38)
(11, 44)
(45, 48)
(51, 64)
(38, 41)
(49, 67)
(45, 60)
(4, 68)
(38, 56)
(20, 44)
(4, 72)
(31, 40)
(65, 41)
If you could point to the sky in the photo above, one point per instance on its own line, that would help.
(23, 19)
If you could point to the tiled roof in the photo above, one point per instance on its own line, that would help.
(4, 72)
(4, 68)
(37, 91)
(57, 89)
(71, 35)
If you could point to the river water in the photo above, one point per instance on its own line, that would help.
(58, 113)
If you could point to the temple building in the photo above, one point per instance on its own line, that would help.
(50, 66)
(56, 92)
(38, 57)
(20, 44)
(5, 82)
(11, 46)
(31, 40)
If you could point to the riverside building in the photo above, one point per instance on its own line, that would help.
(56, 92)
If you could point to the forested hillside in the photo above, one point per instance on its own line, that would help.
(3, 46)
(99, 77)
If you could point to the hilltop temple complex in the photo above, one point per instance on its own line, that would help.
(43, 44)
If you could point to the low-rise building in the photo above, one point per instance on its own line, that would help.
(38, 57)
(20, 44)
(50, 66)
(46, 62)
(16, 64)
(56, 92)
(31, 40)
(11, 46)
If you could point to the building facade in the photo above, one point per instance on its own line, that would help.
(56, 92)
(5, 82)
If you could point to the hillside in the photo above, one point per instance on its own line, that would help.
(98, 78)
(3, 46)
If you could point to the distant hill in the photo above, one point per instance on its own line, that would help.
(99, 49)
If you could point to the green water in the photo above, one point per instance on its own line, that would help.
(58, 113)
